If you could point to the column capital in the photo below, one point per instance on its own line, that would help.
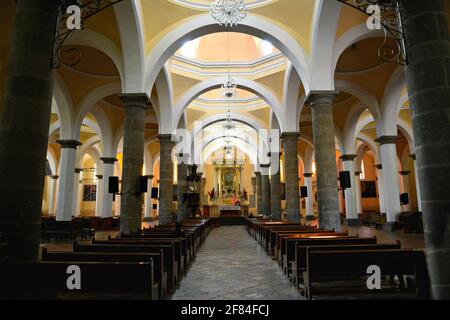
(266, 165)
(412, 156)
(109, 160)
(387, 140)
(322, 97)
(405, 173)
(150, 177)
(348, 157)
(165, 138)
(69, 144)
(308, 175)
(378, 166)
(78, 170)
(99, 176)
(136, 100)
(54, 177)
(290, 135)
(257, 173)
(357, 173)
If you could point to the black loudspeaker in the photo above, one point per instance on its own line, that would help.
(175, 193)
(113, 185)
(155, 193)
(141, 184)
(404, 199)
(303, 192)
(344, 179)
(155, 206)
(283, 191)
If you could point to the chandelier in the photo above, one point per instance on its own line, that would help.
(228, 12)
(229, 123)
(229, 88)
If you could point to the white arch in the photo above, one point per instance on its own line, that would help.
(90, 100)
(164, 103)
(291, 100)
(241, 145)
(391, 104)
(82, 150)
(367, 99)
(52, 161)
(371, 144)
(351, 36)
(213, 83)
(98, 41)
(203, 24)
(129, 20)
(327, 14)
(64, 105)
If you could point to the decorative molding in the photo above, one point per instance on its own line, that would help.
(69, 144)
(107, 160)
(387, 140)
(348, 157)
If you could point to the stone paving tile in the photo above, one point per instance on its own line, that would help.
(230, 265)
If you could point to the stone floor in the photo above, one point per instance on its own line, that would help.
(230, 265)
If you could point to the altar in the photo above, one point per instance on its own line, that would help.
(230, 211)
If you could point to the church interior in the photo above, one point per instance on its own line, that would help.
(181, 146)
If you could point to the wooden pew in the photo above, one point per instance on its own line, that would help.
(99, 280)
(159, 275)
(178, 243)
(286, 249)
(170, 263)
(351, 264)
(298, 266)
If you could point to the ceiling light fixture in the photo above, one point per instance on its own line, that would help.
(228, 13)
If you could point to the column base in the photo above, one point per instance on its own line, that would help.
(310, 218)
(352, 222)
(389, 227)
(293, 217)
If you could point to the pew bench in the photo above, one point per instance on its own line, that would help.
(298, 266)
(170, 263)
(100, 280)
(159, 274)
(324, 266)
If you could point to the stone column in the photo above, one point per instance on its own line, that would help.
(53, 187)
(405, 183)
(259, 205)
(241, 181)
(66, 193)
(358, 192)
(416, 175)
(253, 205)
(275, 191)
(107, 198)
(427, 43)
(182, 174)
(148, 203)
(99, 210)
(265, 190)
(380, 186)
(351, 211)
(135, 106)
(77, 198)
(291, 176)
(325, 156)
(216, 180)
(24, 126)
(388, 151)
(310, 199)
(166, 180)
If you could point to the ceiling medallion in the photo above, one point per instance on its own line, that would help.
(228, 13)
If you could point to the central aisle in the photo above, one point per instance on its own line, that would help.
(230, 265)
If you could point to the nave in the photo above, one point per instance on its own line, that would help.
(231, 266)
